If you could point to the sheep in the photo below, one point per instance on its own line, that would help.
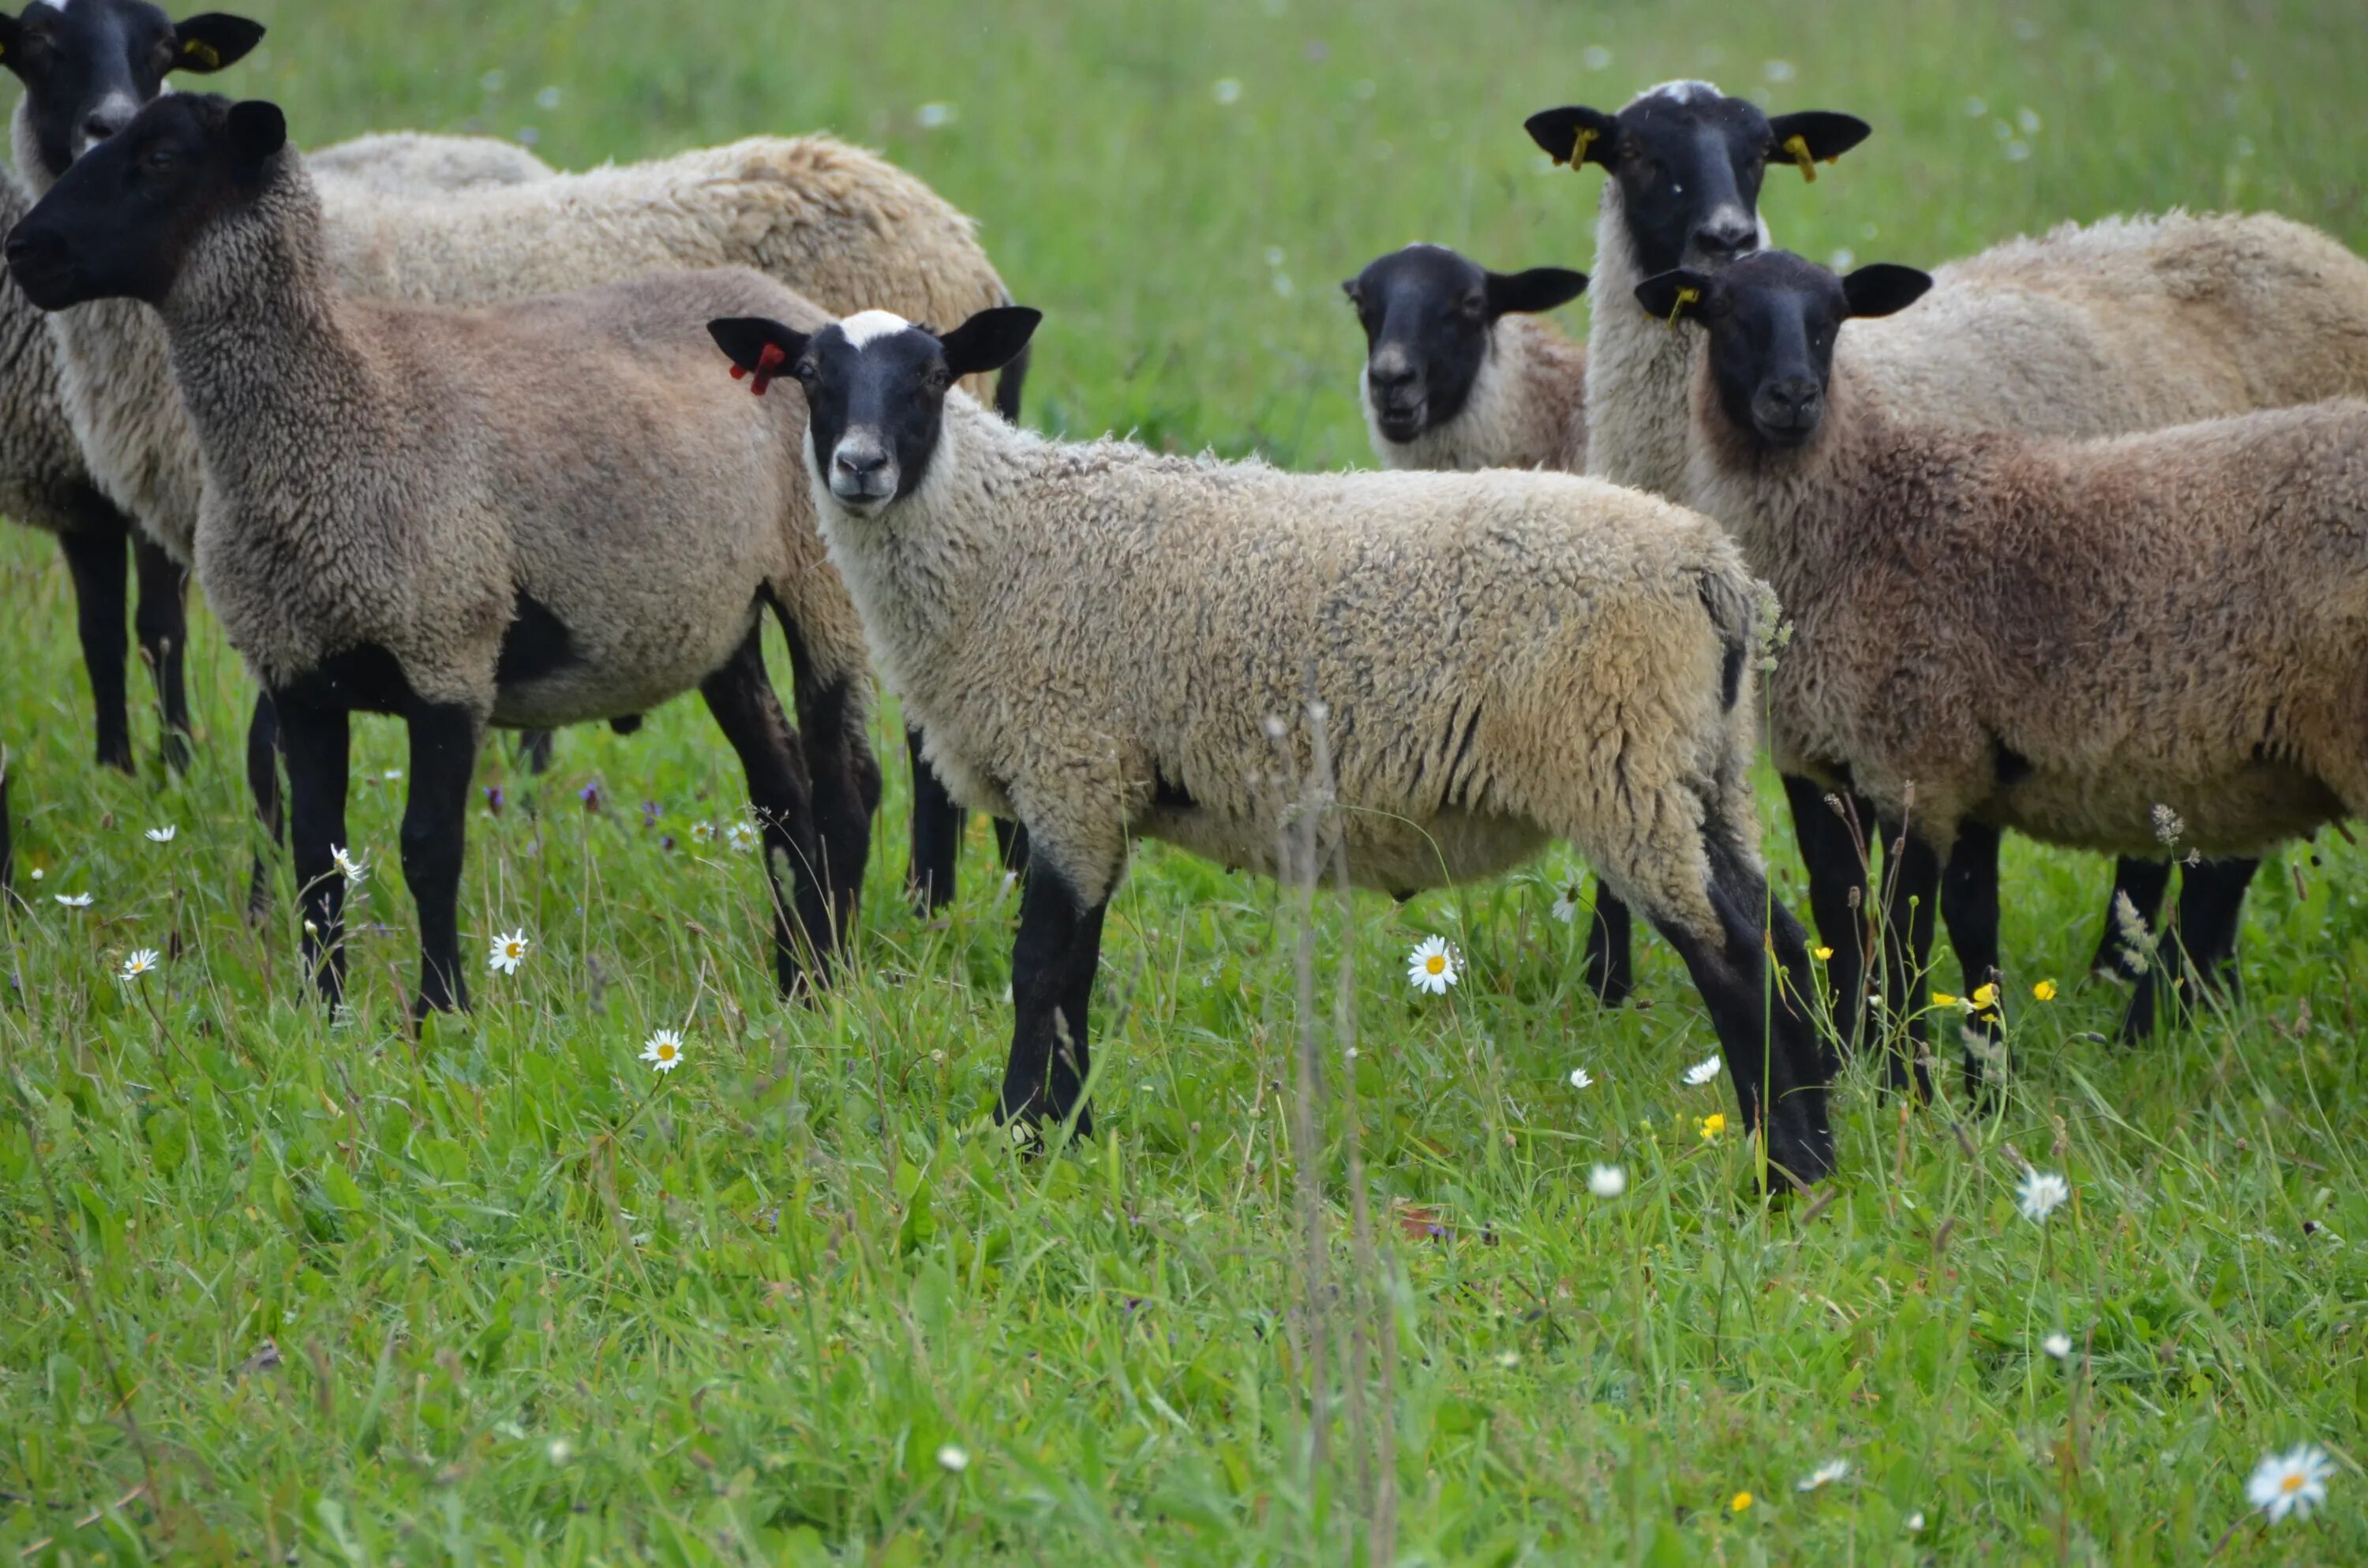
(408, 165)
(1506, 656)
(599, 528)
(2122, 325)
(1457, 375)
(840, 226)
(2098, 644)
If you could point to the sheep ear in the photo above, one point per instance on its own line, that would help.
(1674, 296)
(1814, 136)
(207, 43)
(744, 339)
(1539, 289)
(1575, 134)
(1883, 290)
(989, 340)
(256, 129)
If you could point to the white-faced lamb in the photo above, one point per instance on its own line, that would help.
(534, 514)
(2122, 325)
(843, 228)
(2098, 644)
(1506, 656)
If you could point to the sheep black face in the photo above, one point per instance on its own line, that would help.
(1427, 313)
(1690, 160)
(1772, 319)
(875, 388)
(89, 65)
(120, 222)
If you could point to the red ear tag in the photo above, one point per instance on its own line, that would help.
(768, 365)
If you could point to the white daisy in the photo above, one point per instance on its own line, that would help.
(2058, 1345)
(1581, 1079)
(2042, 1193)
(72, 900)
(162, 834)
(141, 962)
(1607, 1181)
(352, 865)
(1824, 1475)
(1431, 966)
(2292, 1482)
(663, 1050)
(1567, 902)
(700, 832)
(953, 1458)
(1702, 1071)
(509, 952)
(743, 836)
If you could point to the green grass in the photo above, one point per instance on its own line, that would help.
(276, 1289)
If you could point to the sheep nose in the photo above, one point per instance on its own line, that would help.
(35, 250)
(1792, 403)
(860, 462)
(1394, 379)
(1727, 236)
(103, 123)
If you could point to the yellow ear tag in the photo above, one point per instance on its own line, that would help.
(202, 54)
(1580, 143)
(1685, 297)
(1798, 147)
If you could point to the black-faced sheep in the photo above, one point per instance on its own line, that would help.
(840, 226)
(535, 514)
(1506, 658)
(2092, 642)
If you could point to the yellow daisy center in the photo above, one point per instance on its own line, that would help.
(665, 1052)
(2293, 1483)
(1436, 963)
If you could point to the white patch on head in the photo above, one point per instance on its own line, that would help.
(52, 4)
(1684, 92)
(864, 326)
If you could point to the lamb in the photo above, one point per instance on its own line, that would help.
(599, 528)
(2123, 325)
(1457, 374)
(840, 226)
(2092, 642)
(1506, 656)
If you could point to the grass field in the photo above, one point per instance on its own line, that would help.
(280, 1289)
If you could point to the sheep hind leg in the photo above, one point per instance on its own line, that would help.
(96, 560)
(1767, 1034)
(162, 623)
(1610, 950)
(2201, 955)
(842, 776)
(1053, 964)
(2140, 883)
(745, 709)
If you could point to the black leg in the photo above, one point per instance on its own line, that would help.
(316, 741)
(96, 560)
(1771, 1047)
(1912, 875)
(750, 716)
(1012, 846)
(163, 625)
(2141, 883)
(1969, 903)
(263, 785)
(2201, 954)
(1835, 858)
(435, 835)
(534, 750)
(845, 779)
(1610, 950)
(937, 833)
(1052, 966)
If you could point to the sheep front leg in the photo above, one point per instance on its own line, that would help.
(435, 838)
(1838, 901)
(316, 740)
(1913, 874)
(263, 785)
(1052, 965)
(2142, 884)
(1610, 950)
(936, 834)
(162, 623)
(750, 714)
(1969, 905)
(95, 560)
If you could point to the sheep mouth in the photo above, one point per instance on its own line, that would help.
(1785, 438)
(865, 498)
(1402, 423)
(50, 285)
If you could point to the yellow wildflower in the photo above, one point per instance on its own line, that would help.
(1712, 1125)
(2045, 990)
